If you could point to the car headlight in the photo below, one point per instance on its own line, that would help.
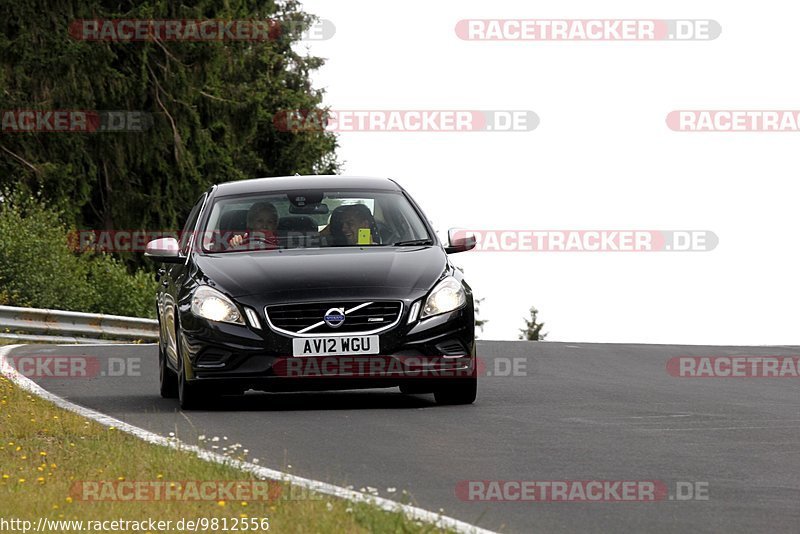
(448, 295)
(210, 304)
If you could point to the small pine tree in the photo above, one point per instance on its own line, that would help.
(533, 329)
(479, 322)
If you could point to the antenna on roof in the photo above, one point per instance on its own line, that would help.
(297, 174)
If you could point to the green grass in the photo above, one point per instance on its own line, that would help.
(45, 450)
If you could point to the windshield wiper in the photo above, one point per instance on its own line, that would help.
(414, 242)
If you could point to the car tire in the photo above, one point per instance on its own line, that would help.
(462, 391)
(414, 388)
(189, 396)
(168, 380)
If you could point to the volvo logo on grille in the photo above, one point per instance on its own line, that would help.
(334, 317)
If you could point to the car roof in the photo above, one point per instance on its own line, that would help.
(288, 183)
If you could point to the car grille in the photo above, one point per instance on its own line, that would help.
(369, 317)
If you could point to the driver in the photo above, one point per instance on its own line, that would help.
(262, 222)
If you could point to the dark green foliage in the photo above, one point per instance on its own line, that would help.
(212, 103)
(39, 269)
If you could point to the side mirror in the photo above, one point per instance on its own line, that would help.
(165, 250)
(459, 241)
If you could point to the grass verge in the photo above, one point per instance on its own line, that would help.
(45, 451)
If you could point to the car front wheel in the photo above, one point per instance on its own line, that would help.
(461, 391)
(168, 381)
(188, 394)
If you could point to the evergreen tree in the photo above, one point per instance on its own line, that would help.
(212, 106)
(479, 322)
(533, 329)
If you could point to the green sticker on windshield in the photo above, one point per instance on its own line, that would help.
(364, 236)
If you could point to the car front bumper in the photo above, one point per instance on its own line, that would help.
(233, 358)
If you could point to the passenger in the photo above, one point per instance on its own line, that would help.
(346, 221)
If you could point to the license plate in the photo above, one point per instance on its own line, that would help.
(335, 346)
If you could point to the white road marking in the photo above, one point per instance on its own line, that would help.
(101, 345)
(793, 427)
(654, 416)
(412, 512)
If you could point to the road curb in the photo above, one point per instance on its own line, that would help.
(412, 512)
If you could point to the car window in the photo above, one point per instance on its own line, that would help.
(188, 228)
(311, 219)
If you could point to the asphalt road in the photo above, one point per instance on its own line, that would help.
(575, 412)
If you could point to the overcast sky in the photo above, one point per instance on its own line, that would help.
(601, 158)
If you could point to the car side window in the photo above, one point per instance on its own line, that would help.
(191, 223)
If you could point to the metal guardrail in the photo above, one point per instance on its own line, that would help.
(32, 324)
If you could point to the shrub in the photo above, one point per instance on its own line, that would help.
(39, 269)
(117, 291)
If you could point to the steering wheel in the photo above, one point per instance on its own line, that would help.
(253, 239)
(268, 242)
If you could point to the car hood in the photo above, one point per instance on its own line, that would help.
(308, 274)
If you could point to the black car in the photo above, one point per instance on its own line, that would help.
(312, 283)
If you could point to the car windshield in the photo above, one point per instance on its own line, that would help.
(312, 219)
